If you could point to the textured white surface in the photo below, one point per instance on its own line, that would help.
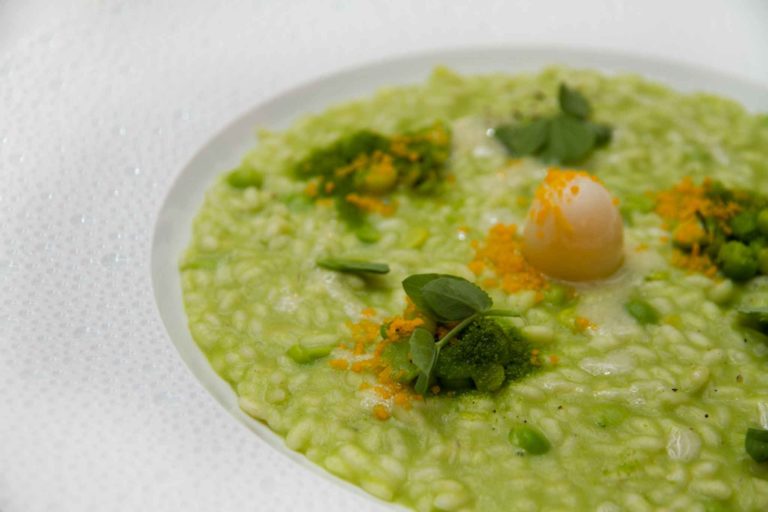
(101, 103)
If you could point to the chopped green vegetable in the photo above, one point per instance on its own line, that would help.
(353, 266)
(530, 440)
(305, 355)
(756, 444)
(737, 261)
(245, 176)
(642, 311)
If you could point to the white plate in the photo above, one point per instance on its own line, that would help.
(226, 149)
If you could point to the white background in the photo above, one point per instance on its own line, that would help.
(101, 103)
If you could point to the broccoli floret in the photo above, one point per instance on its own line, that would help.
(483, 356)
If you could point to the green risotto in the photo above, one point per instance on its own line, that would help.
(413, 292)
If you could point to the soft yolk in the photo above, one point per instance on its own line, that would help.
(574, 229)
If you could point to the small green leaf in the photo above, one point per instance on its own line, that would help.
(756, 444)
(453, 298)
(424, 356)
(573, 103)
(353, 266)
(413, 286)
(523, 139)
(570, 140)
(603, 133)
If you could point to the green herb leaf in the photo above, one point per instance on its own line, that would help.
(523, 139)
(756, 444)
(413, 286)
(353, 266)
(453, 298)
(424, 354)
(603, 133)
(570, 140)
(573, 103)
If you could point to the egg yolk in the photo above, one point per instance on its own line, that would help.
(574, 230)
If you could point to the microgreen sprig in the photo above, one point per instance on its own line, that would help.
(446, 299)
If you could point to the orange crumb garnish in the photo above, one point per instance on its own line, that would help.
(501, 256)
(582, 324)
(381, 412)
(682, 207)
(365, 356)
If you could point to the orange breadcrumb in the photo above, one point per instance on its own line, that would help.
(502, 255)
(381, 412)
(582, 324)
(366, 351)
(682, 207)
(371, 204)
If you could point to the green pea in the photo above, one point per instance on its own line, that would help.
(642, 311)
(762, 222)
(756, 444)
(556, 294)
(245, 176)
(737, 261)
(305, 355)
(744, 226)
(368, 234)
(762, 261)
(530, 440)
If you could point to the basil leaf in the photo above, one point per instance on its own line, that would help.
(523, 139)
(756, 444)
(570, 140)
(413, 286)
(353, 266)
(573, 103)
(453, 298)
(424, 356)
